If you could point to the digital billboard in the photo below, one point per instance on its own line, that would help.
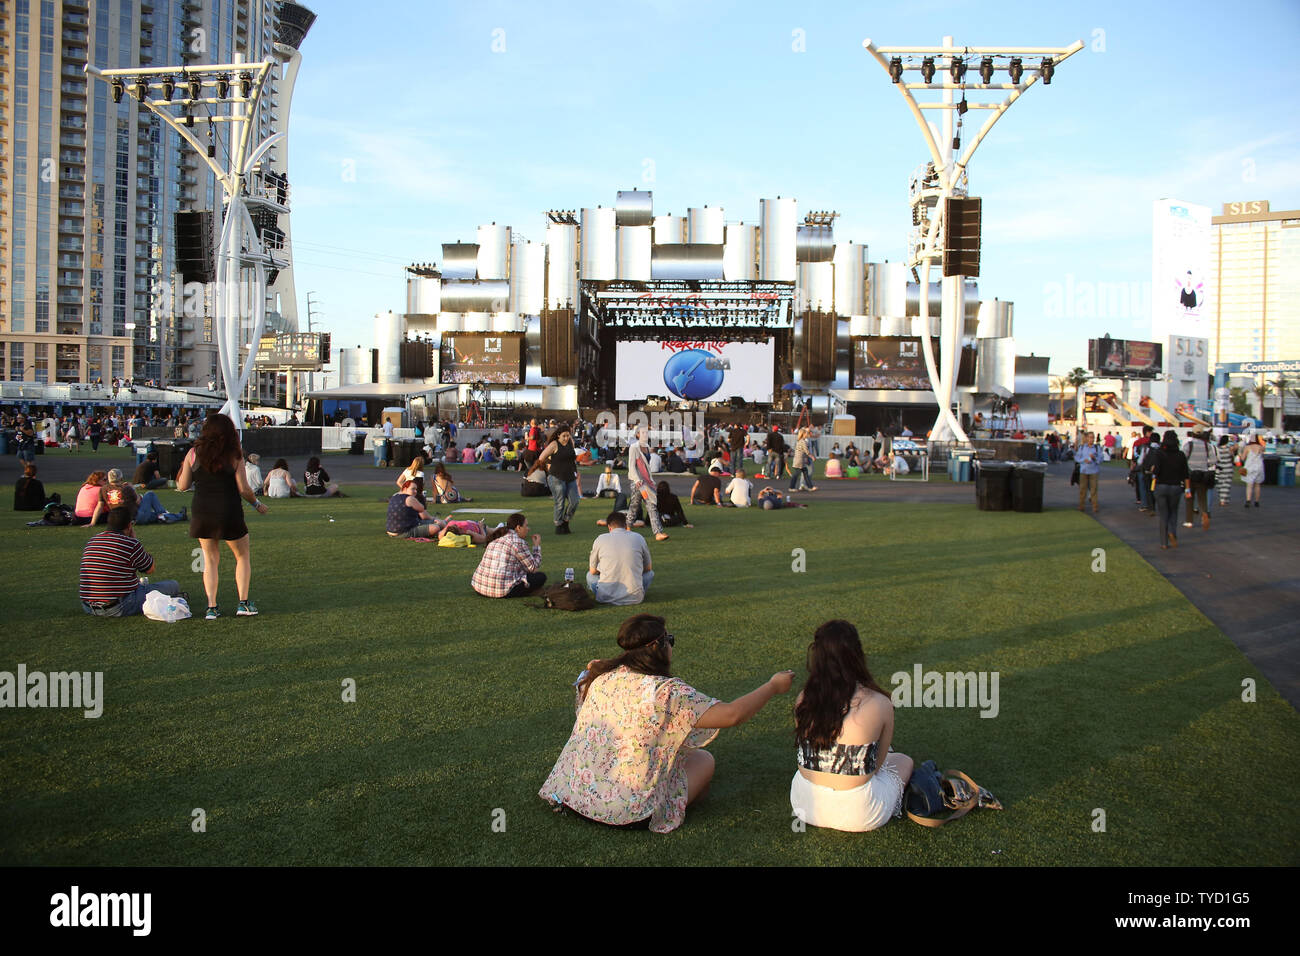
(891, 362)
(469, 357)
(1122, 358)
(1180, 267)
(696, 370)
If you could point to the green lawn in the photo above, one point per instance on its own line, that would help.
(1115, 694)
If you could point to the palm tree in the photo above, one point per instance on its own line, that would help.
(1261, 390)
(1078, 377)
(1240, 401)
(1059, 382)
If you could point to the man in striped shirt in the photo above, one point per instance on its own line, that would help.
(111, 566)
(509, 567)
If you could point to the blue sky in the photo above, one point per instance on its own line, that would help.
(415, 122)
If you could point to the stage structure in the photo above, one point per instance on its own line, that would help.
(941, 206)
(223, 100)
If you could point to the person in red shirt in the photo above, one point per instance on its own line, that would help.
(111, 565)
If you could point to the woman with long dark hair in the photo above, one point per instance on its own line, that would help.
(848, 779)
(215, 469)
(1167, 467)
(634, 755)
(563, 478)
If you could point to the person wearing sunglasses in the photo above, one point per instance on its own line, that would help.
(635, 754)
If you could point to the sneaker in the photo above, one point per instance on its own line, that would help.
(1256, 504)
(213, 614)
(1187, 524)
(246, 609)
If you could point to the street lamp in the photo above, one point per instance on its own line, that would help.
(240, 248)
(949, 174)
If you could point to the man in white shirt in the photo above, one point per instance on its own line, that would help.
(656, 462)
(388, 428)
(619, 569)
(739, 489)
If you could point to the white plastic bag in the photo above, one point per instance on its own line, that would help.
(161, 607)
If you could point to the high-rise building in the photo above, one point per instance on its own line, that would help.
(89, 188)
(1255, 262)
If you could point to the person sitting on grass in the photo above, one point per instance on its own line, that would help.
(739, 489)
(29, 492)
(848, 778)
(316, 481)
(253, 472)
(509, 568)
(111, 565)
(406, 515)
(670, 507)
(708, 490)
(619, 570)
(88, 496)
(147, 475)
(415, 470)
(851, 457)
(634, 756)
(478, 531)
(279, 483)
(444, 489)
(145, 509)
(833, 469)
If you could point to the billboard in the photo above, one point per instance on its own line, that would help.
(469, 357)
(695, 370)
(1180, 270)
(1123, 358)
(891, 362)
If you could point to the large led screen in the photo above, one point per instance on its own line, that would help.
(891, 362)
(467, 358)
(696, 371)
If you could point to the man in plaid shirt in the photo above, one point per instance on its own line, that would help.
(509, 567)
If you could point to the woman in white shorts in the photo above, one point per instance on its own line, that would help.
(1251, 457)
(848, 779)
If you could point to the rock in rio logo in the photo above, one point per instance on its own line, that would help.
(695, 370)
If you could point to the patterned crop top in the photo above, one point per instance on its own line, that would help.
(854, 760)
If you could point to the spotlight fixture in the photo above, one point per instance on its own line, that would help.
(896, 69)
(168, 87)
(957, 70)
(1016, 70)
(962, 107)
(986, 70)
(141, 89)
(246, 84)
(118, 89)
(1047, 69)
(927, 69)
(196, 87)
(223, 85)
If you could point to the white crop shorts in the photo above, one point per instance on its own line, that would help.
(863, 808)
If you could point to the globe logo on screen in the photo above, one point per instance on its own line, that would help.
(688, 376)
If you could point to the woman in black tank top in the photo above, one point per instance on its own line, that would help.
(563, 478)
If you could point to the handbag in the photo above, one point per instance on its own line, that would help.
(1074, 475)
(930, 793)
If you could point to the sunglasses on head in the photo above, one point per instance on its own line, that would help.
(667, 637)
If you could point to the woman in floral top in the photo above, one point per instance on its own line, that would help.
(634, 754)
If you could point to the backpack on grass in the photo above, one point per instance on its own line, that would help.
(573, 597)
(931, 793)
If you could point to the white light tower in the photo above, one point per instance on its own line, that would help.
(220, 94)
(946, 176)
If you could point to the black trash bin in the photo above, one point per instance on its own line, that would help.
(993, 486)
(1271, 465)
(358, 445)
(1027, 486)
(171, 455)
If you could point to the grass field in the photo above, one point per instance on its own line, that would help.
(1115, 694)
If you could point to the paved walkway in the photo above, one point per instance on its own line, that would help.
(1243, 573)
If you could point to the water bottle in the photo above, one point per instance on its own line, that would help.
(568, 577)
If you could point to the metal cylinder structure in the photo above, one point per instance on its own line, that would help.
(971, 305)
(778, 222)
(451, 322)
(996, 319)
(460, 260)
(561, 266)
(423, 295)
(850, 278)
(669, 230)
(814, 244)
(390, 329)
(888, 290)
(599, 259)
(686, 261)
(634, 207)
(468, 296)
(815, 287)
(506, 322)
(861, 326)
(493, 251)
(528, 277)
(478, 322)
(740, 253)
(634, 252)
(705, 225)
(355, 366)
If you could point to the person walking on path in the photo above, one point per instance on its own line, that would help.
(1251, 458)
(1088, 457)
(1226, 471)
(1203, 465)
(1168, 466)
